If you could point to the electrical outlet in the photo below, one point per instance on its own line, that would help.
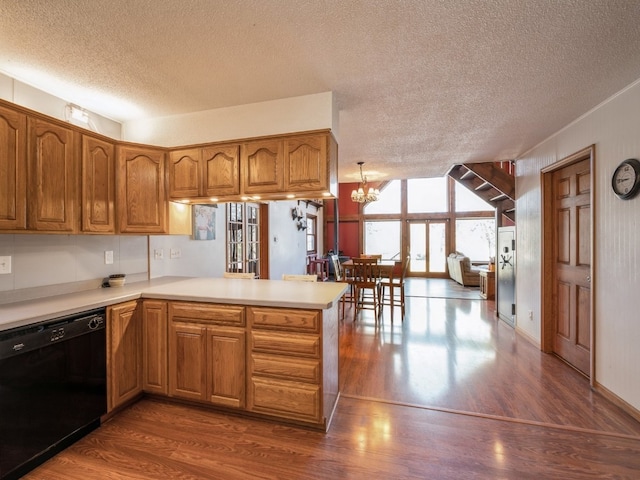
(158, 254)
(5, 265)
(530, 314)
(108, 257)
(175, 253)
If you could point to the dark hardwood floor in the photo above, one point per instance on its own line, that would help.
(453, 354)
(450, 393)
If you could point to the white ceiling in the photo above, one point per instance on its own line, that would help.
(420, 84)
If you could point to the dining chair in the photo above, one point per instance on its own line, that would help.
(366, 285)
(247, 275)
(299, 278)
(340, 275)
(394, 283)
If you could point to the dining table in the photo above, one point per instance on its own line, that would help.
(384, 266)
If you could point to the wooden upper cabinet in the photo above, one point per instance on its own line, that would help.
(221, 170)
(13, 169)
(211, 171)
(185, 173)
(140, 180)
(52, 177)
(98, 185)
(306, 165)
(262, 166)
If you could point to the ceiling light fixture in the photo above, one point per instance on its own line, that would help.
(359, 195)
(78, 113)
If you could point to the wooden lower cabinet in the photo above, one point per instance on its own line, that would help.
(291, 400)
(206, 361)
(273, 362)
(154, 347)
(124, 355)
(285, 368)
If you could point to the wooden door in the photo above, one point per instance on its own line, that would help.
(98, 185)
(262, 167)
(571, 210)
(13, 165)
(187, 361)
(226, 367)
(124, 371)
(53, 178)
(142, 205)
(154, 347)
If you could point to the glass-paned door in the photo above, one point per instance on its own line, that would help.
(427, 246)
(243, 238)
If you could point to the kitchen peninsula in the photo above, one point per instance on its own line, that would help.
(265, 348)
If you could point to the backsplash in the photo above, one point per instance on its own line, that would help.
(43, 265)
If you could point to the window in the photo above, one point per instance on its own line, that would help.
(476, 238)
(467, 201)
(312, 234)
(388, 200)
(382, 237)
(243, 238)
(427, 195)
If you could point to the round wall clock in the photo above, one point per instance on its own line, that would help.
(626, 179)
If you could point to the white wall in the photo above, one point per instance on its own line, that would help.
(206, 258)
(76, 261)
(614, 128)
(296, 114)
(22, 94)
(287, 244)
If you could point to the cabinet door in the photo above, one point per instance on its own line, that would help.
(142, 205)
(124, 363)
(98, 185)
(226, 367)
(13, 165)
(185, 173)
(52, 177)
(221, 170)
(306, 165)
(262, 167)
(187, 361)
(154, 347)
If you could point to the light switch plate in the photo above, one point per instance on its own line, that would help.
(5, 265)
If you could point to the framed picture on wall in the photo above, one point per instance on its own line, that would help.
(204, 222)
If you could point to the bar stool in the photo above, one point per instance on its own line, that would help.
(319, 267)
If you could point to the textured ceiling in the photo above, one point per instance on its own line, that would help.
(420, 84)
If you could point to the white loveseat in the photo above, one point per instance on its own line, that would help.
(461, 270)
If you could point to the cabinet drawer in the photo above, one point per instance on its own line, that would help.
(292, 400)
(285, 368)
(286, 343)
(206, 313)
(286, 319)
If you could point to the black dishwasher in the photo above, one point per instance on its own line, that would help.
(52, 388)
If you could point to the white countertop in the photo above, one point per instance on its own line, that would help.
(268, 293)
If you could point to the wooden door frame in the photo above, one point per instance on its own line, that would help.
(548, 223)
(406, 246)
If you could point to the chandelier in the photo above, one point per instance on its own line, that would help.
(359, 195)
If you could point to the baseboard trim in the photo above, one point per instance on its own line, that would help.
(617, 401)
